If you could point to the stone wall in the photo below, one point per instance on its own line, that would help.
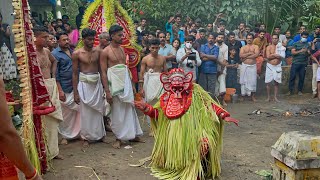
(284, 87)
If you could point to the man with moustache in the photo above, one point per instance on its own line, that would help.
(88, 90)
(248, 70)
(69, 128)
(119, 90)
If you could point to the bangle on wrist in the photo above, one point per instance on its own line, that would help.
(34, 174)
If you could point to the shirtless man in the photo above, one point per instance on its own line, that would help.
(152, 62)
(119, 90)
(274, 70)
(48, 66)
(152, 66)
(248, 71)
(88, 90)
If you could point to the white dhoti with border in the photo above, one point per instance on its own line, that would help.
(124, 120)
(248, 79)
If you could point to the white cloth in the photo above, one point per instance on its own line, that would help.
(318, 74)
(7, 63)
(124, 119)
(315, 74)
(92, 107)
(152, 86)
(273, 73)
(52, 120)
(221, 83)
(248, 79)
(183, 64)
(70, 127)
(281, 50)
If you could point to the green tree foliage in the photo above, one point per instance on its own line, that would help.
(272, 12)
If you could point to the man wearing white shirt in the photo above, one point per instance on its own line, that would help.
(222, 70)
(188, 58)
(166, 50)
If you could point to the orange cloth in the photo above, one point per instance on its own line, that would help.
(261, 43)
(7, 169)
(259, 62)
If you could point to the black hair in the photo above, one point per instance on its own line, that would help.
(250, 34)
(143, 19)
(154, 41)
(59, 34)
(262, 31)
(232, 48)
(231, 34)
(114, 29)
(221, 34)
(189, 38)
(304, 34)
(59, 20)
(81, 9)
(213, 34)
(136, 22)
(153, 34)
(277, 27)
(1, 16)
(262, 24)
(177, 39)
(241, 22)
(39, 29)
(193, 31)
(65, 17)
(44, 21)
(317, 27)
(276, 35)
(87, 32)
(143, 33)
(68, 24)
(202, 31)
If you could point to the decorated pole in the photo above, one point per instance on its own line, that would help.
(101, 14)
(34, 92)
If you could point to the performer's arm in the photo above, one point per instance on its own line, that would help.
(10, 142)
(223, 114)
(147, 109)
(104, 69)
(75, 76)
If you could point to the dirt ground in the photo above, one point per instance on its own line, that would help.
(246, 148)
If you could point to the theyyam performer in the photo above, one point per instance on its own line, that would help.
(188, 126)
(119, 89)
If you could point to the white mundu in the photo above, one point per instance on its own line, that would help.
(92, 106)
(124, 120)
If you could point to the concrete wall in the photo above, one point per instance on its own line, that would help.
(6, 10)
(284, 87)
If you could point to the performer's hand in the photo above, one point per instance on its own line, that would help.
(142, 92)
(140, 105)
(62, 96)
(76, 98)
(109, 97)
